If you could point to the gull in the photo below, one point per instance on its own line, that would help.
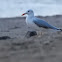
(35, 22)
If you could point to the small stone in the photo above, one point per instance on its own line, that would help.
(4, 37)
(31, 33)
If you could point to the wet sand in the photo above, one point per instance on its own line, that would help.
(40, 48)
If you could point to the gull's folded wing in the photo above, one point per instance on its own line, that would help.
(44, 24)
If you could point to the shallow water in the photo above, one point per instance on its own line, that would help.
(12, 8)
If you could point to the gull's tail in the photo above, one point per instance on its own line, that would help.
(57, 28)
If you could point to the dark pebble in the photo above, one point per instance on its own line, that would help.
(4, 37)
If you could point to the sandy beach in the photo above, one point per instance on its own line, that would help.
(40, 48)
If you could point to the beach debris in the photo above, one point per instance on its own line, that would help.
(30, 34)
(4, 37)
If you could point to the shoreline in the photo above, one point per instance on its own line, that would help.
(25, 16)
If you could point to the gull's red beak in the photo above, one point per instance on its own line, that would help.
(24, 14)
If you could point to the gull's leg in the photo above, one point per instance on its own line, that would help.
(39, 33)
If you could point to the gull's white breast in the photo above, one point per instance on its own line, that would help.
(30, 23)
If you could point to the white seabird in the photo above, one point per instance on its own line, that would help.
(33, 21)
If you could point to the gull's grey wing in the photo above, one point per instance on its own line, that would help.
(44, 24)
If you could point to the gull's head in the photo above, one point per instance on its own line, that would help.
(29, 12)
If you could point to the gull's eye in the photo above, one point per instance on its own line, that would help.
(28, 11)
